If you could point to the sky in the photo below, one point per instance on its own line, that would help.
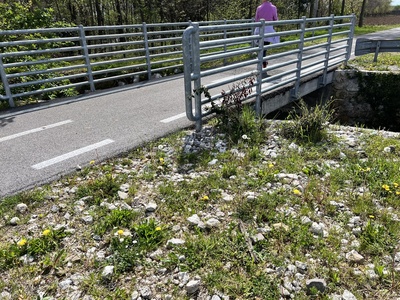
(395, 2)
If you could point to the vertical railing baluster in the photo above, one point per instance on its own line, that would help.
(350, 38)
(5, 83)
(225, 47)
(328, 51)
(260, 67)
(87, 58)
(294, 91)
(147, 50)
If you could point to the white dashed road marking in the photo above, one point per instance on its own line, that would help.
(14, 136)
(173, 118)
(71, 154)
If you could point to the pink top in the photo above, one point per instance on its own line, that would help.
(267, 11)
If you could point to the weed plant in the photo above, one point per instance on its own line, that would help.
(237, 120)
(308, 124)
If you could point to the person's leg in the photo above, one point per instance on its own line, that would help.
(265, 63)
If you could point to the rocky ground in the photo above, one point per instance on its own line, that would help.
(82, 263)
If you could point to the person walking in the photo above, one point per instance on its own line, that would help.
(268, 12)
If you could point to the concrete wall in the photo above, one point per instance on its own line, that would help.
(369, 98)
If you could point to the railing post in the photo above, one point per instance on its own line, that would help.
(5, 83)
(87, 58)
(196, 75)
(260, 66)
(225, 47)
(350, 40)
(328, 49)
(294, 91)
(147, 50)
(191, 66)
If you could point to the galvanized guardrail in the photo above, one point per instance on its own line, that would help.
(366, 46)
(307, 46)
(41, 62)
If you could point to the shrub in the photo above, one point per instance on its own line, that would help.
(309, 124)
(237, 119)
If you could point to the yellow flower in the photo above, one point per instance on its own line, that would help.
(296, 192)
(397, 192)
(270, 165)
(371, 216)
(22, 242)
(205, 198)
(46, 232)
(92, 162)
(158, 228)
(161, 160)
(395, 184)
(386, 187)
(120, 232)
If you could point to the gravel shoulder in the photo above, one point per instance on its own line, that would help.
(191, 216)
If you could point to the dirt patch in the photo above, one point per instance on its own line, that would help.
(391, 19)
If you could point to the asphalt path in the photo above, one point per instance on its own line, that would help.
(41, 143)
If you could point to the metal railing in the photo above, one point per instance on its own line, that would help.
(366, 46)
(57, 62)
(307, 46)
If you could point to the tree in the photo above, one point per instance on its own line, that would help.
(16, 15)
(361, 17)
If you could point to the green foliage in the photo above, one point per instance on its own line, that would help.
(381, 92)
(149, 235)
(100, 189)
(309, 124)
(372, 28)
(229, 169)
(127, 249)
(120, 218)
(262, 208)
(31, 198)
(377, 239)
(10, 255)
(385, 62)
(16, 15)
(234, 118)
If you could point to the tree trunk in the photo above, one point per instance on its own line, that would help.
(99, 13)
(120, 20)
(343, 7)
(361, 19)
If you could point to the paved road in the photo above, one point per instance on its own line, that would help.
(41, 143)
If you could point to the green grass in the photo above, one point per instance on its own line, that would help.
(372, 28)
(385, 62)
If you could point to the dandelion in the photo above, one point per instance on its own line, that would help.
(395, 184)
(158, 228)
(92, 162)
(205, 198)
(371, 216)
(270, 165)
(386, 187)
(296, 192)
(46, 232)
(22, 242)
(397, 192)
(120, 232)
(161, 160)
